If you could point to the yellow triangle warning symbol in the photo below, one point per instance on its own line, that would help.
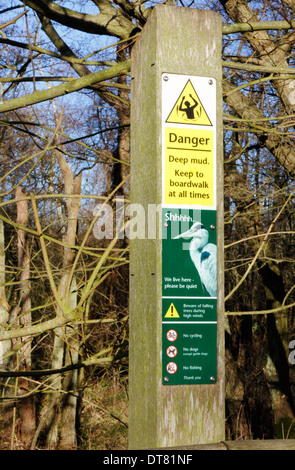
(172, 312)
(188, 108)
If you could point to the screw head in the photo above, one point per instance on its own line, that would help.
(210, 81)
(166, 379)
(212, 227)
(212, 379)
(165, 78)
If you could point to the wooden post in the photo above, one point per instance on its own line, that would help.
(176, 390)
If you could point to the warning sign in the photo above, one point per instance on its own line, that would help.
(189, 166)
(172, 312)
(188, 141)
(188, 108)
(189, 264)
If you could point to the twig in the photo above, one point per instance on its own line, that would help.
(260, 248)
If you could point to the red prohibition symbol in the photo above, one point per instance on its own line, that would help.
(171, 335)
(171, 351)
(171, 368)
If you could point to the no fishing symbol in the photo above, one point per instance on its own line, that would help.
(171, 368)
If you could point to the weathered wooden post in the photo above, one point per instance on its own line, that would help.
(176, 306)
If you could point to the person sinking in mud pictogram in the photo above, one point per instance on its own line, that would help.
(189, 108)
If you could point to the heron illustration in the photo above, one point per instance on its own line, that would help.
(203, 255)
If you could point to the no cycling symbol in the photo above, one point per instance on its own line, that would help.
(171, 335)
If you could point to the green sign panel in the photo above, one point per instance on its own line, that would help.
(189, 291)
(189, 352)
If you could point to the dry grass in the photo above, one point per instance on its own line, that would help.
(104, 417)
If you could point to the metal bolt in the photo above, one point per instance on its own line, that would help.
(166, 379)
(210, 82)
(212, 379)
(166, 224)
(212, 227)
(165, 78)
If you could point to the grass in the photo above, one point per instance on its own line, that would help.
(285, 428)
(104, 417)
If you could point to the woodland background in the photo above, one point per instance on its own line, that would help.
(64, 149)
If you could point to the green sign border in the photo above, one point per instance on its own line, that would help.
(194, 313)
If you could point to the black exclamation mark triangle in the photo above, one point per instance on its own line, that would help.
(172, 312)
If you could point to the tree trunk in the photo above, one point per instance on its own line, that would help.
(121, 168)
(278, 368)
(63, 336)
(28, 422)
(6, 385)
(68, 438)
(5, 346)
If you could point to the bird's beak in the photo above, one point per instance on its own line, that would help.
(186, 234)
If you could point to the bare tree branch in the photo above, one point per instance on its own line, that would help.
(65, 88)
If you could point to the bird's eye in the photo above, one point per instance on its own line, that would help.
(197, 226)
